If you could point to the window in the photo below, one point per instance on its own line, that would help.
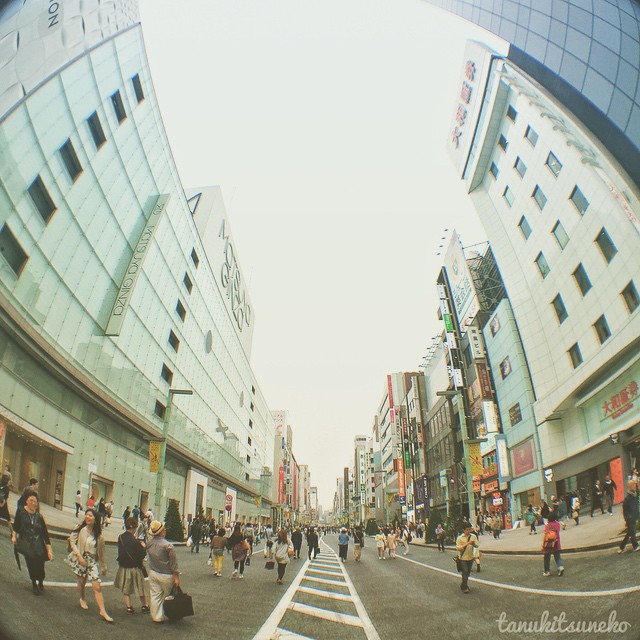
(173, 341)
(543, 265)
(11, 251)
(137, 87)
(515, 415)
(187, 282)
(606, 245)
(524, 227)
(575, 355)
(166, 374)
(42, 199)
(250, 424)
(559, 308)
(251, 406)
(520, 167)
(512, 114)
(508, 196)
(539, 197)
(181, 311)
(246, 476)
(248, 458)
(97, 132)
(531, 135)
(253, 390)
(505, 367)
(602, 329)
(579, 201)
(159, 409)
(630, 295)
(194, 258)
(553, 163)
(493, 170)
(118, 106)
(582, 279)
(502, 142)
(248, 440)
(560, 234)
(70, 160)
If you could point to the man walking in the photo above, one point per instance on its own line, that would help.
(630, 511)
(464, 546)
(608, 491)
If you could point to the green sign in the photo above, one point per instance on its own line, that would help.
(448, 323)
(407, 460)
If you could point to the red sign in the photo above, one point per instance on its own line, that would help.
(523, 458)
(620, 402)
(281, 485)
(485, 381)
(390, 390)
(491, 486)
(400, 466)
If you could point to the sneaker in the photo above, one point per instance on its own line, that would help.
(637, 548)
(240, 577)
(546, 574)
(620, 550)
(560, 571)
(235, 573)
(466, 590)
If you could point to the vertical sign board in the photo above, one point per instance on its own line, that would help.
(140, 252)
(154, 455)
(400, 465)
(230, 499)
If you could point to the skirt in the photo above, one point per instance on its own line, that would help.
(89, 570)
(130, 581)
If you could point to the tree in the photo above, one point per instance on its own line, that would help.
(435, 518)
(173, 522)
(371, 528)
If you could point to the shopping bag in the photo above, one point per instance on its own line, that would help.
(178, 604)
(189, 542)
(270, 564)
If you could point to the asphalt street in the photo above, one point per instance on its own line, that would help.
(413, 596)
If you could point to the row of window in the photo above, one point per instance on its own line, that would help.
(576, 196)
(10, 248)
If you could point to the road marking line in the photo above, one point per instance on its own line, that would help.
(68, 585)
(325, 573)
(325, 581)
(285, 634)
(542, 592)
(326, 614)
(325, 564)
(326, 594)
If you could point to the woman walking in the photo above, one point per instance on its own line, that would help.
(87, 559)
(358, 542)
(218, 543)
(163, 569)
(439, 531)
(130, 576)
(283, 550)
(239, 550)
(31, 538)
(551, 545)
(343, 544)
(380, 544)
(5, 490)
(531, 517)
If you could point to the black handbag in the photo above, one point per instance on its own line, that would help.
(458, 562)
(269, 564)
(178, 604)
(29, 548)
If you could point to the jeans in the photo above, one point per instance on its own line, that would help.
(467, 565)
(281, 570)
(630, 535)
(547, 560)
(440, 542)
(238, 564)
(313, 550)
(342, 553)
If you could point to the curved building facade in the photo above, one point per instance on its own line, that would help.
(111, 299)
(587, 55)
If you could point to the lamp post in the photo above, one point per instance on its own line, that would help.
(466, 441)
(163, 444)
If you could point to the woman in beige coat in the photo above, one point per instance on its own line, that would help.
(87, 559)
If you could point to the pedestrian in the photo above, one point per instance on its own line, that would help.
(102, 510)
(239, 549)
(496, 525)
(596, 497)
(544, 511)
(551, 546)
(32, 487)
(5, 490)
(609, 487)
(392, 543)
(196, 535)
(135, 512)
(91, 502)
(87, 559)
(31, 539)
(575, 509)
(78, 502)
(313, 543)
(131, 574)
(343, 544)
(562, 512)
(218, 543)
(465, 544)
(126, 514)
(439, 531)
(282, 551)
(163, 569)
(381, 541)
(630, 515)
(531, 517)
(296, 541)
(358, 543)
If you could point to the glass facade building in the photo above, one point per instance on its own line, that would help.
(108, 296)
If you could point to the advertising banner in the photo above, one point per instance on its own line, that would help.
(400, 465)
(154, 455)
(523, 458)
(476, 458)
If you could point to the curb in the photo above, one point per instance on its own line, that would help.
(528, 552)
(63, 534)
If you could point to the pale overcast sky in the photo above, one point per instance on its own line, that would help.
(325, 124)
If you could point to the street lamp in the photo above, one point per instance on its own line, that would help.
(466, 441)
(163, 444)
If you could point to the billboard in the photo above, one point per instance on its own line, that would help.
(463, 292)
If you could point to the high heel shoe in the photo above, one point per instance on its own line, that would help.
(106, 617)
(83, 604)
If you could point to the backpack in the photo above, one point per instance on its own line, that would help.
(550, 540)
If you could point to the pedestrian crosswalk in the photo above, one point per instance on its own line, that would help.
(320, 604)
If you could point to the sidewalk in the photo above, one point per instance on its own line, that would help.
(599, 532)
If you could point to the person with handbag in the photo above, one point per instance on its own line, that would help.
(5, 490)
(358, 543)
(239, 550)
(282, 551)
(218, 543)
(131, 573)
(313, 543)
(31, 539)
(343, 544)
(164, 574)
(87, 559)
(465, 544)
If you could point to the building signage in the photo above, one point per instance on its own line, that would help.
(448, 322)
(466, 90)
(490, 470)
(390, 392)
(491, 486)
(281, 491)
(451, 340)
(475, 340)
(444, 306)
(123, 297)
(621, 401)
(457, 378)
(463, 293)
(154, 455)
(490, 416)
(230, 500)
(485, 381)
(476, 486)
(400, 467)
(502, 456)
(231, 280)
(523, 459)
(475, 457)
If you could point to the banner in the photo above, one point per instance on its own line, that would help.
(154, 455)
(476, 459)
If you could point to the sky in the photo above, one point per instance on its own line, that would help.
(325, 125)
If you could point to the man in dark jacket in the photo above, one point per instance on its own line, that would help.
(313, 543)
(630, 511)
(296, 541)
(609, 487)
